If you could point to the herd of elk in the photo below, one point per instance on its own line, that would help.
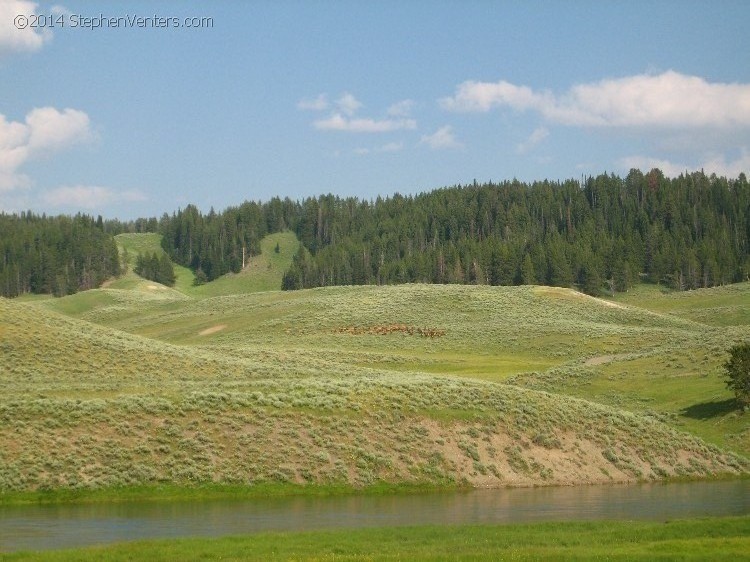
(384, 330)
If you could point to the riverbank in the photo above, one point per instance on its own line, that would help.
(717, 538)
(208, 492)
(80, 525)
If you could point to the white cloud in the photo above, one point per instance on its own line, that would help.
(537, 136)
(13, 39)
(348, 104)
(338, 122)
(45, 130)
(645, 163)
(89, 197)
(392, 147)
(51, 129)
(483, 96)
(401, 108)
(317, 104)
(669, 100)
(388, 147)
(440, 139)
(344, 119)
(711, 164)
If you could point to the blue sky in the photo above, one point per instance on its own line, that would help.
(358, 98)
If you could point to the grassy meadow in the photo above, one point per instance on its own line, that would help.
(233, 384)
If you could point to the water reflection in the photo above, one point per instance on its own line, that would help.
(59, 526)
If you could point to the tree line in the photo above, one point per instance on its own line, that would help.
(601, 234)
(54, 255)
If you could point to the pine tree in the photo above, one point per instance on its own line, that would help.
(528, 276)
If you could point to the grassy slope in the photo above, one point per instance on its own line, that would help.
(309, 369)
(262, 273)
(98, 407)
(662, 358)
(681, 381)
(272, 391)
(720, 306)
(703, 539)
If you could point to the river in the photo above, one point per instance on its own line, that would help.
(38, 527)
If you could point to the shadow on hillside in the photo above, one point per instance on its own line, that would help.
(708, 410)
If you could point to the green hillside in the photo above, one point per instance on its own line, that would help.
(262, 272)
(355, 385)
(664, 364)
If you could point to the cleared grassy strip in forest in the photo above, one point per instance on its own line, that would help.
(262, 272)
(725, 538)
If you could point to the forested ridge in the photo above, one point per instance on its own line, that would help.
(601, 234)
(56, 255)
(607, 234)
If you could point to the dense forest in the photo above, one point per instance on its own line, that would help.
(55, 255)
(602, 234)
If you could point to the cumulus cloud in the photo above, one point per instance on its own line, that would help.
(483, 96)
(45, 130)
(348, 104)
(13, 39)
(441, 139)
(388, 147)
(89, 196)
(319, 103)
(344, 117)
(669, 100)
(537, 136)
(392, 147)
(339, 122)
(50, 129)
(401, 108)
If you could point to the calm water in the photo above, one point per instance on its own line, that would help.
(59, 526)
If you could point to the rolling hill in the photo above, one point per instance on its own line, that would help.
(138, 384)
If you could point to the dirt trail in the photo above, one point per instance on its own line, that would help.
(212, 330)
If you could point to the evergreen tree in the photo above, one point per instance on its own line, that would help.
(528, 275)
(737, 370)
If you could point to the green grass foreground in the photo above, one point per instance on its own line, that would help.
(721, 538)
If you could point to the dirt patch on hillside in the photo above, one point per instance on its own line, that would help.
(607, 303)
(572, 294)
(604, 359)
(212, 330)
(601, 360)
